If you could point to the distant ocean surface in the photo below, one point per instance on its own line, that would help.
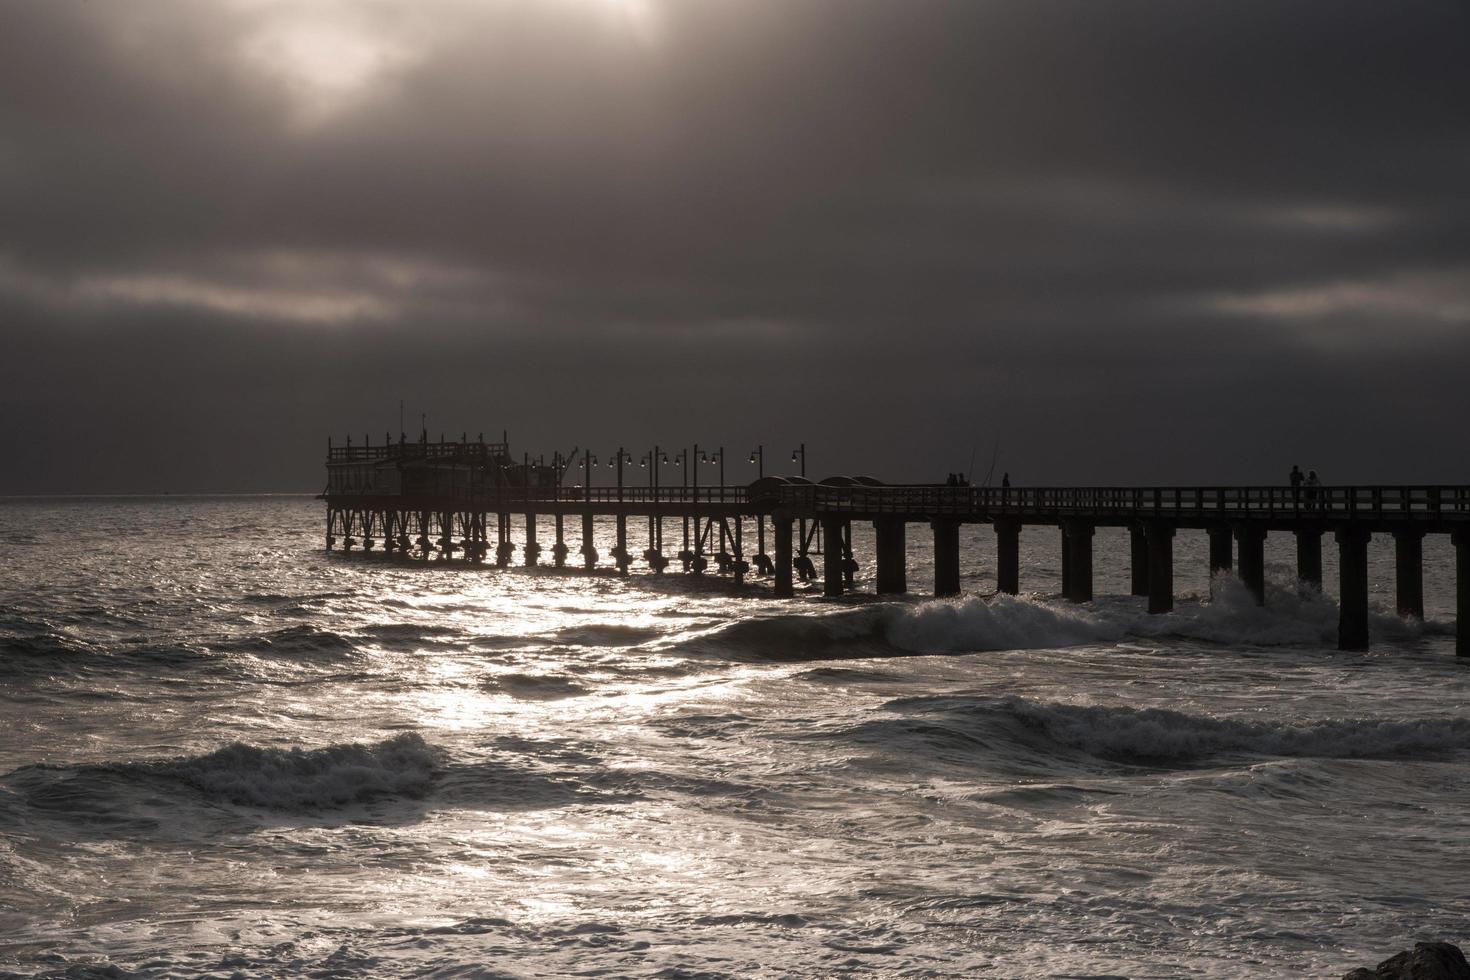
(228, 753)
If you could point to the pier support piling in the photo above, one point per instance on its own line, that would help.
(849, 564)
(892, 571)
(1220, 549)
(1309, 556)
(1250, 540)
(589, 549)
(946, 557)
(620, 553)
(1408, 556)
(1138, 560)
(1461, 541)
(1077, 539)
(832, 577)
(1352, 620)
(1008, 556)
(533, 549)
(1066, 556)
(1160, 566)
(781, 531)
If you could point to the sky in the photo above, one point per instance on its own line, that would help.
(1079, 242)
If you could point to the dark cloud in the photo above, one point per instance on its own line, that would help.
(1126, 241)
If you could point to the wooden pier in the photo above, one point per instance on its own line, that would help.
(422, 500)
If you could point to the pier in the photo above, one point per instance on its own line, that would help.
(447, 500)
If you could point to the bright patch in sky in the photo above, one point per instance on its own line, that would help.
(328, 55)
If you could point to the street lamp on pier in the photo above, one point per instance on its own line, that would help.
(618, 460)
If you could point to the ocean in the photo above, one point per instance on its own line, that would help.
(228, 753)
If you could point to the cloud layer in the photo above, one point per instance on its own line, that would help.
(1126, 242)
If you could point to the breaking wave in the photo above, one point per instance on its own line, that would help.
(294, 641)
(291, 779)
(1160, 735)
(297, 778)
(847, 634)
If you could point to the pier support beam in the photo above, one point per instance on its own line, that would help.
(889, 537)
(1408, 557)
(832, 556)
(1352, 619)
(1309, 556)
(1077, 539)
(559, 550)
(1250, 540)
(1461, 540)
(1138, 560)
(589, 550)
(621, 552)
(1008, 556)
(532, 549)
(1066, 566)
(849, 565)
(1160, 566)
(781, 531)
(946, 557)
(1220, 549)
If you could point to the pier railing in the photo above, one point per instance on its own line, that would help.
(1337, 503)
(1369, 503)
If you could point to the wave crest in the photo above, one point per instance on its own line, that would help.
(1123, 733)
(297, 778)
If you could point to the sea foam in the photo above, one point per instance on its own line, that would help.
(1293, 615)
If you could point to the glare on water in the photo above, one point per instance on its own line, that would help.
(375, 768)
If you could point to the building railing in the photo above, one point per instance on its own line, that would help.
(491, 495)
(417, 450)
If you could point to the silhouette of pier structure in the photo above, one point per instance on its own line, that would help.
(422, 500)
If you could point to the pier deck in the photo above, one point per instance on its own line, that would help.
(424, 500)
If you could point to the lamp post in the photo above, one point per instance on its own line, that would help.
(682, 458)
(618, 460)
(588, 461)
(718, 456)
(620, 553)
(695, 457)
(653, 459)
(800, 451)
(758, 457)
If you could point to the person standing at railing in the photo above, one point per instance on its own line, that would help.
(1314, 488)
(1296, 485)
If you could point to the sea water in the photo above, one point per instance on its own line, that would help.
(226, 752)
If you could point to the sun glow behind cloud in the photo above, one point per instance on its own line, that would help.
(329, 55)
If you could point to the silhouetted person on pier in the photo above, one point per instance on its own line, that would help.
(1314, 488)
(1296, 485)
(949, 481)
(1005, 481)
